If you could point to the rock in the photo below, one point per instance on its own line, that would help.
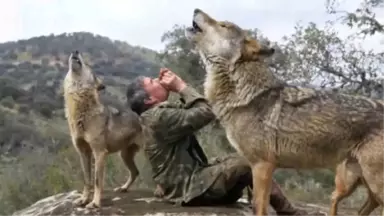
(138, 202)
(129, 203)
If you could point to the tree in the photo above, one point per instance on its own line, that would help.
(319, 57)
(364, 17)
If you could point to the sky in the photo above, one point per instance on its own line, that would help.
(142, 22)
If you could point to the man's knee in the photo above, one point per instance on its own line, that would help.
(237, 165)
(230, 156)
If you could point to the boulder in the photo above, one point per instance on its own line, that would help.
(142, 202)
(130, 203)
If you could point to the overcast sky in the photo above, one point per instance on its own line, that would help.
(142, 22)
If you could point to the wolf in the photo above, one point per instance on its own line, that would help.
(348, 177)
(277, 125)
(98, 130)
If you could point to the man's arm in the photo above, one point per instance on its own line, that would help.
(184, 121)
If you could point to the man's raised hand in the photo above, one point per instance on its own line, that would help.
(171, 81)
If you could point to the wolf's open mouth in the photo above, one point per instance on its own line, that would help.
(76, 59)
(196, 27)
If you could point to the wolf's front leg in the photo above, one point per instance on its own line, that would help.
(85, 155)
(262, 172)
(99, 179)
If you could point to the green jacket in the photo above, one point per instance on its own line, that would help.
(176, 157)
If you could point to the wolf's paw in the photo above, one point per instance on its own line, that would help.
(93, 205)
(82, 201)
(121, 189)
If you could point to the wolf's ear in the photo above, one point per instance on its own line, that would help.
(252, 50)
(99, 83)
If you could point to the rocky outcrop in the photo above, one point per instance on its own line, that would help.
(130, 203)
(139, 202)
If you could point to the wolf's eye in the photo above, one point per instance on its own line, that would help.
(223, 25)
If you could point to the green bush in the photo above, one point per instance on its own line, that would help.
(8, 102)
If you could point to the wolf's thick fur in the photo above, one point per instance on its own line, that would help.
(97, 130)
(274, 124)
(347, 178)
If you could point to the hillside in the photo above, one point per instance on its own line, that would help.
(31, 73)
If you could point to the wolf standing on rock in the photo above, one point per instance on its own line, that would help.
(96, 130)
(273, 124)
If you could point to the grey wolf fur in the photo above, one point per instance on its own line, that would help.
(98, 131)
(274, 124)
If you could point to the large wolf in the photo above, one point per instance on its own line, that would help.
(97, 130)
(274, 124)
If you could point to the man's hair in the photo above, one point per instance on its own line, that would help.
(136, 95)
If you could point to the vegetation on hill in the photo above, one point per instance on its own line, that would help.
(37, 158)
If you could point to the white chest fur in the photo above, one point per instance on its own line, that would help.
(209, 83)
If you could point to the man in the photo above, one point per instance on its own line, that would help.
(178, 163)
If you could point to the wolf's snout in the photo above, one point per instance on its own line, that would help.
(75, 54)
(196, 11)
(75, 58)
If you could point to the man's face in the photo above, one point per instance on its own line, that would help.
(155, 90)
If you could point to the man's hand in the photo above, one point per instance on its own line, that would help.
(171, 81)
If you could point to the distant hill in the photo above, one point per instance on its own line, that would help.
(31, 74)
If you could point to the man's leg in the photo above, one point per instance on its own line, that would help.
(283, 207)
(214, 195)
(235, 175)
(241, 173)
(238, 175)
